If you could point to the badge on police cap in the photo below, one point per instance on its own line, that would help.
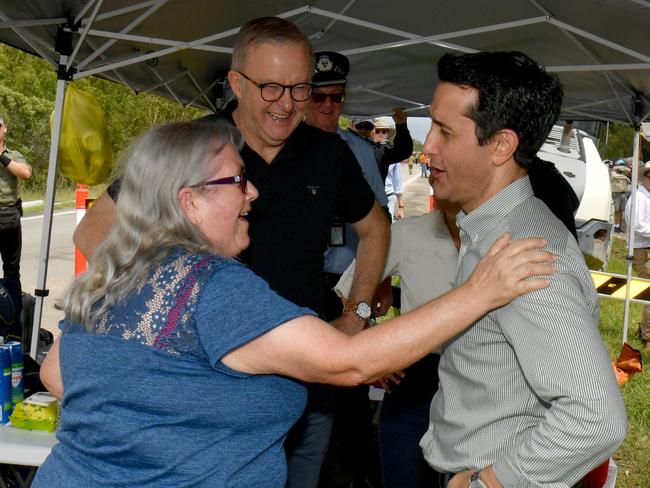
(331, 68)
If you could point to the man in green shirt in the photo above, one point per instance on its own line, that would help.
(12, 167)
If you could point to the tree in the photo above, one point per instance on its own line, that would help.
(27, 91)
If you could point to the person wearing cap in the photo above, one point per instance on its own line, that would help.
(619, 176)
(323, 111)
(393, 185)
(12, 168)
(305, 176)
(352, 440)
(364, 128)
(642, 241)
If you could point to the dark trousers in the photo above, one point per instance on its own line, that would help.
(403, 420)
(10, 248)
(443, 479)
(308, 440)
(353, 453)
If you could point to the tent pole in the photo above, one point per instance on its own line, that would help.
(630, 229)
(41, 292)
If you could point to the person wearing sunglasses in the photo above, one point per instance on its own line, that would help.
(352, 439)
(304, 176)
(178, 366)
(13, 167)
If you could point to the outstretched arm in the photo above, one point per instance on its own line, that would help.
(311, 350)
(374, 237)
(95, 226)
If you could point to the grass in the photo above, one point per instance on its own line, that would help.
(65, 198)
(633, 457)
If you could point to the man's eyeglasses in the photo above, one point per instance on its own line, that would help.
(272, 92)
(239, 179)
(381, 131)
(334, 97)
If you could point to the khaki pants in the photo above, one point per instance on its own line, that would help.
(642, 267)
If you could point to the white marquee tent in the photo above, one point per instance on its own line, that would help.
(181, 49)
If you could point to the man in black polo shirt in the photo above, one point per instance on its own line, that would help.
(306, 177)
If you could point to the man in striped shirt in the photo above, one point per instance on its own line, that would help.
(527, 396)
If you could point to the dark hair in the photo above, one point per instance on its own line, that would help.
(514, 92)
(263, 30)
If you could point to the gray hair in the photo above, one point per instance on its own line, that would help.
(150, 220)
(264, 30)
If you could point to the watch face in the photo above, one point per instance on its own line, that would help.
(476, 482)
(363, 310)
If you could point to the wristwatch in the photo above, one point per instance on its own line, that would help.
(476, 482)
(362, 309)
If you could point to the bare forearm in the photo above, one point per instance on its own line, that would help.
(95, 226)
(371, 256)
(50, 373)
(398, 343)
(20, 170)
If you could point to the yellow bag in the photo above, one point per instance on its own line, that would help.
(85, 154)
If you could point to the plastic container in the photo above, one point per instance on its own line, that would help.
(17, 380)
(38, 412)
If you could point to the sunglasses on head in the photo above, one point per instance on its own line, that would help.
(381, 131)
(334, 97)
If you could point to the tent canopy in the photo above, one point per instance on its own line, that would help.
(181, 49)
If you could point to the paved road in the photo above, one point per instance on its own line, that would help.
(61, 263)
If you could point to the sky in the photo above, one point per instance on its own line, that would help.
(419, 127)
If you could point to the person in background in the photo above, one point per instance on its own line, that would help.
(352, 442)
(176, 366)
(381, 135)
(509, 410)
(364, 128)
(13, 167)
(424, 167)
(400, 148)
(619, 177)
(642, 241)
(395, 191)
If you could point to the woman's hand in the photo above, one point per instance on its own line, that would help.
(504, 272)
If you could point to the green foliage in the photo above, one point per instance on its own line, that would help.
(27, 119)
(344, 122)
(619, 141)
(27, 92)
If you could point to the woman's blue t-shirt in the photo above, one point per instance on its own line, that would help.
(148, 402)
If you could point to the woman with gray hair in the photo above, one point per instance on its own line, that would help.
(177, 365)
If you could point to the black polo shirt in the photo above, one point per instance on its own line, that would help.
(314, 178)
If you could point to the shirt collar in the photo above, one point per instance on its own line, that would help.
(488, 216)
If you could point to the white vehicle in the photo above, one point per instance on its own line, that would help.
(579, 162)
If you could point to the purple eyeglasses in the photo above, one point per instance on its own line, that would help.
(239, 179)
